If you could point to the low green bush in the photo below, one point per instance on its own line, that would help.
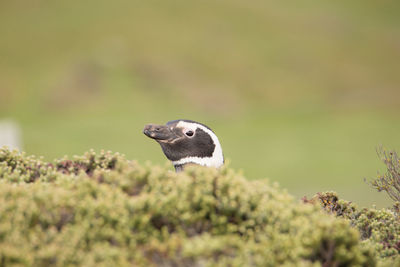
(379, 228)
(104, 210)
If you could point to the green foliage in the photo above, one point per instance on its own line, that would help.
(103, 210)
(390, 181)
(379, 228)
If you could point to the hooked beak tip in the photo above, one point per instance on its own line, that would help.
(146, 130)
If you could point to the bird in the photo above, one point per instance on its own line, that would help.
(187, 142)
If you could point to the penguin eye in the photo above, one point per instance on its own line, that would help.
(189, 133)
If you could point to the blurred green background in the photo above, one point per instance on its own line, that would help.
(300, 93)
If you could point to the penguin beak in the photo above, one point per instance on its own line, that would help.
(160, 133)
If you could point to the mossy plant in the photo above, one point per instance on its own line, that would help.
(379, 228)
(104, 210)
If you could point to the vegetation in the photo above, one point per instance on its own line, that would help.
(101, 209)
(390, 181)
(379, 228)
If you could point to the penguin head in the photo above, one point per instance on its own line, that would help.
(187, 142)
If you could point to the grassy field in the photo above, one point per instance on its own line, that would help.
(301, 94)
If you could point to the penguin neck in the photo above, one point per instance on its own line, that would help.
(181, 167)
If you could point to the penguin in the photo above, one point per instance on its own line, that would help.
(187, 142)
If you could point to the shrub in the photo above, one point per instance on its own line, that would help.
(390, 181)
(379, 228)
(103, 210)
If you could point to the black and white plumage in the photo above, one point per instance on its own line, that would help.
(187, 142)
